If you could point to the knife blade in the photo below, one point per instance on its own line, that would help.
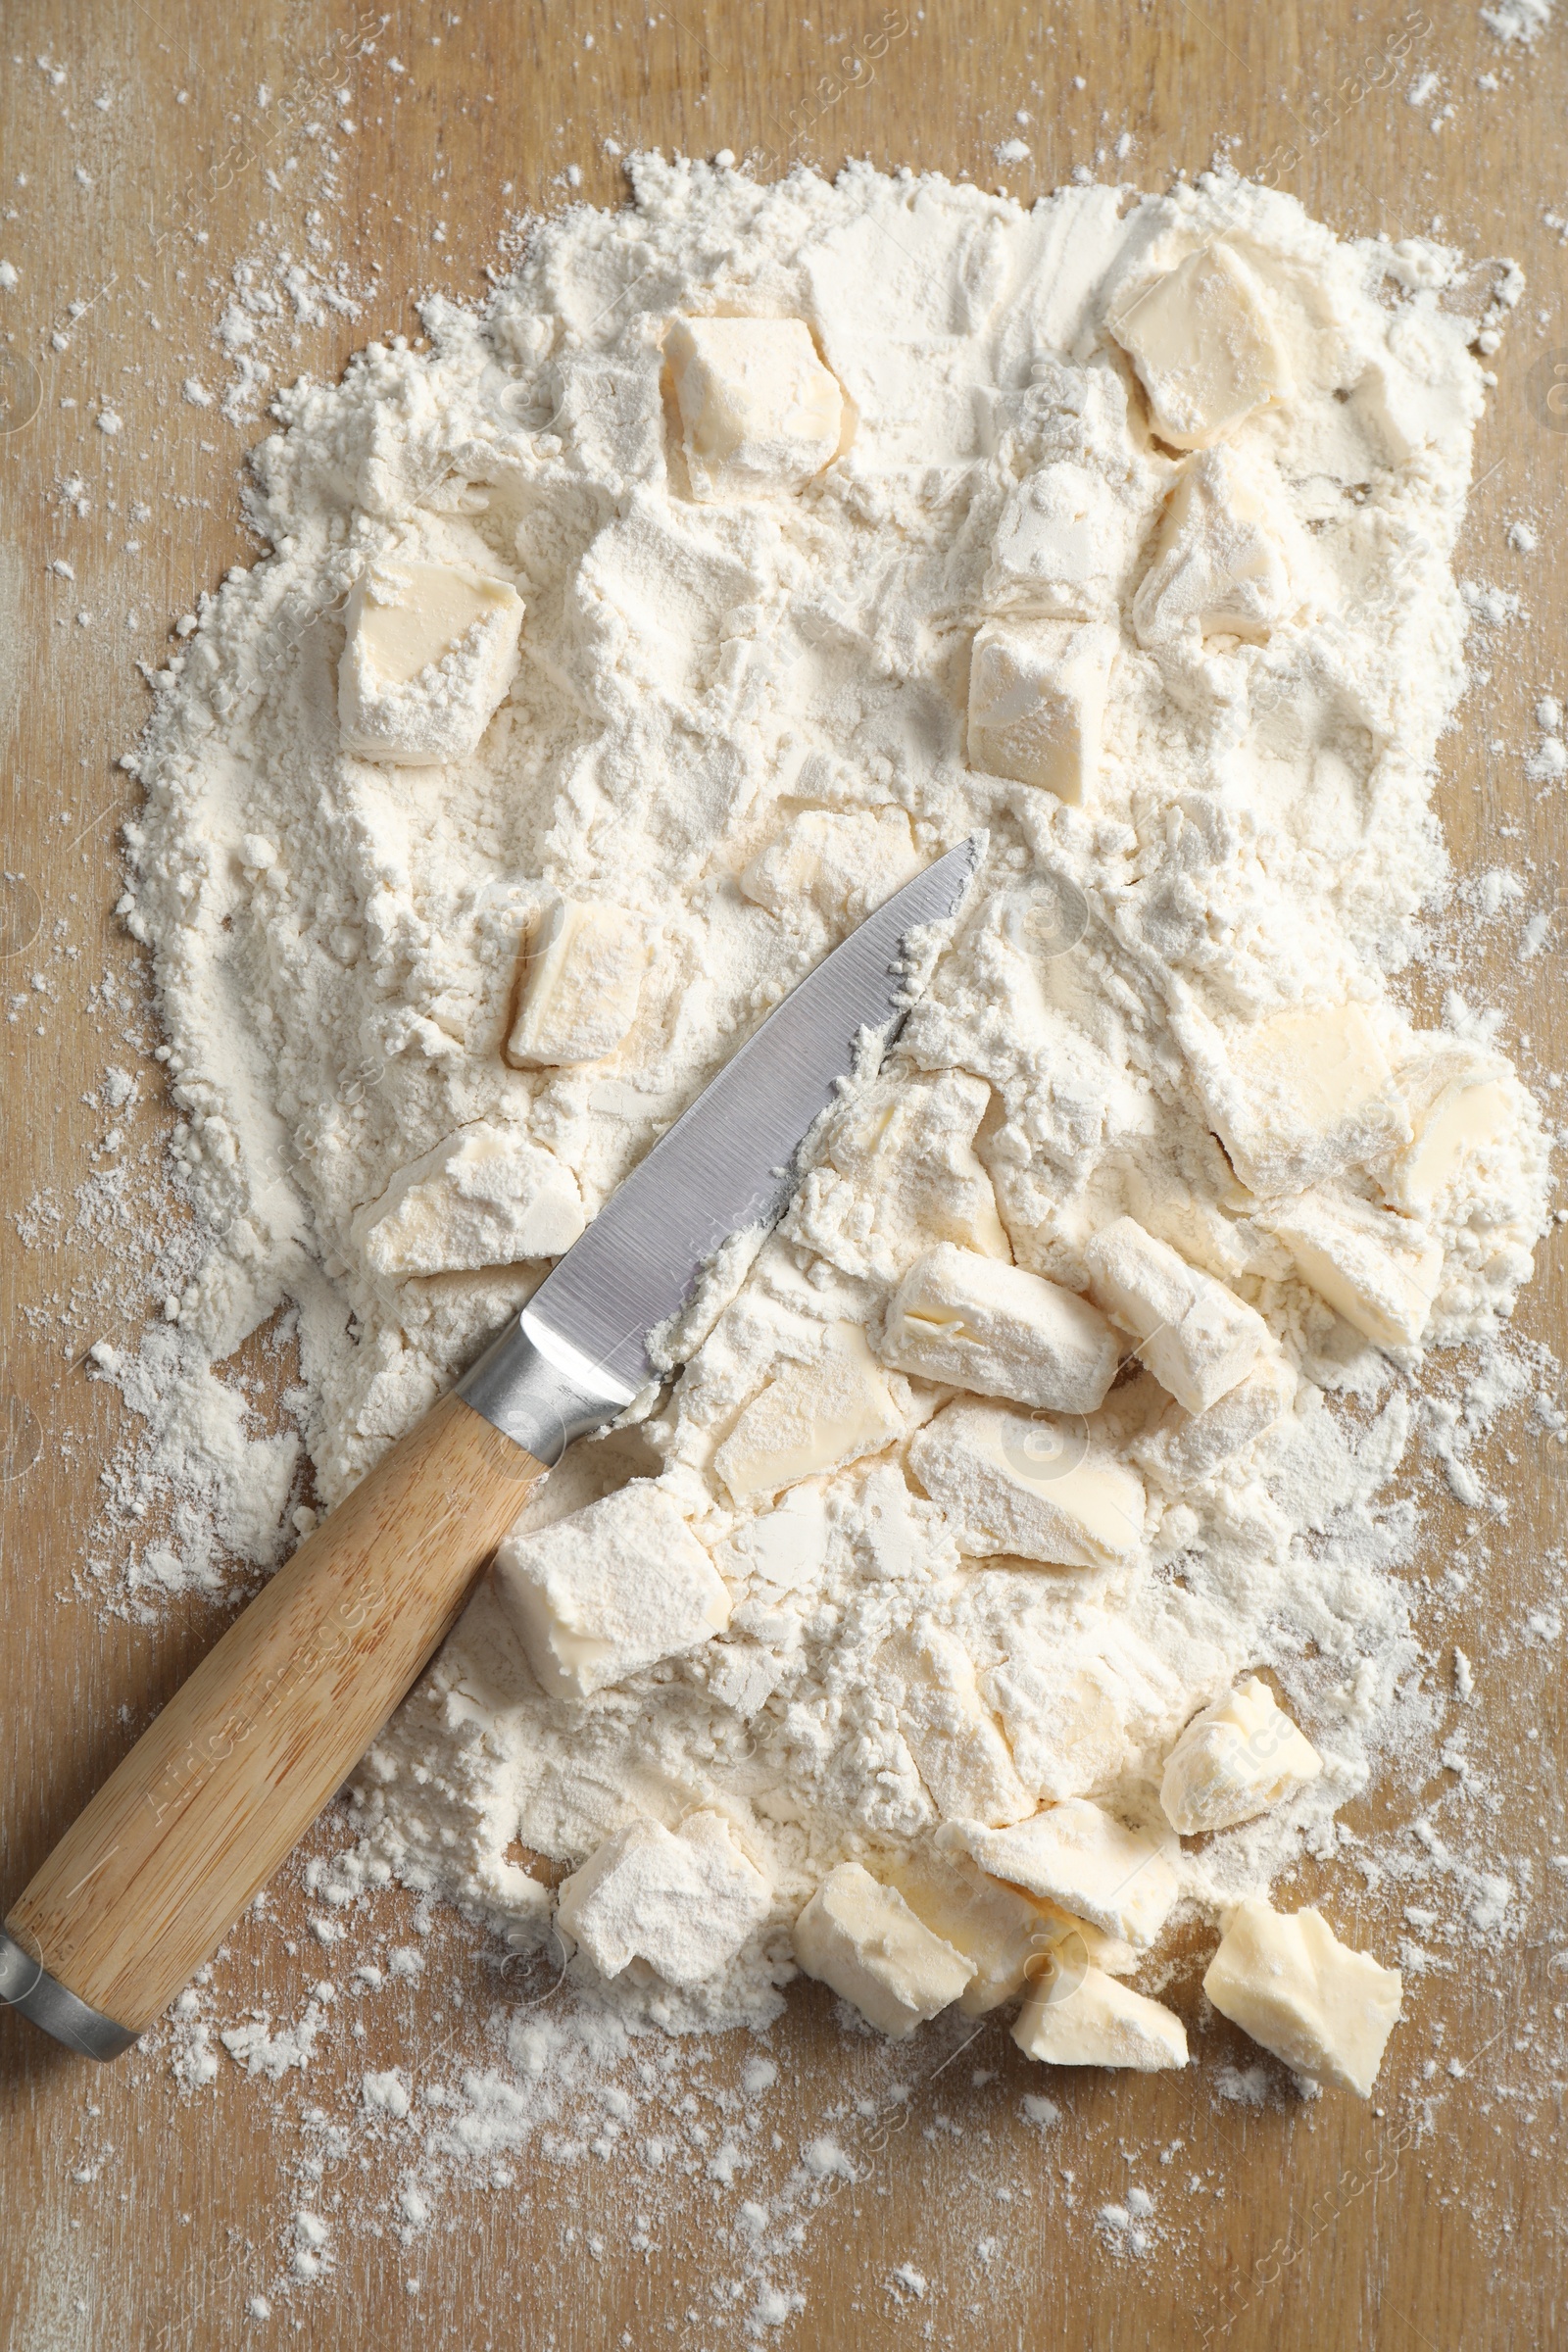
(728, 1162)
(218, 1788)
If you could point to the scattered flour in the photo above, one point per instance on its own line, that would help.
(742, 719)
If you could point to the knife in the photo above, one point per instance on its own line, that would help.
(224, 1782)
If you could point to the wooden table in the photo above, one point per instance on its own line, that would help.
(138, 2217)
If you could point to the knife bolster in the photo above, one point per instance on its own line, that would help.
(539, 1392)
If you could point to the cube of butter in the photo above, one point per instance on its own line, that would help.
(683, 1903)
(1287, 1979)
(1097, 2021)
(1037, 703)
(1186, 1448)
(1011, 1482)
(1378, 1270)
(1465, 1117)
(1203, 346)
(1060, 545)
(842, 864)
(1082, 1858)
(429, 652)
(901, 1173)
(1195, 1335)
(1306, 1092)
(958, 1750)
(1235, 1760)
(999, 1929)
(760, 414)
(1222, 561)
(483, 1196)
(862, 1938)
(614, 1587)
(999, 1331)
(1075, 1711)
(810, 1418)
(1012, 1937)
(578, 984)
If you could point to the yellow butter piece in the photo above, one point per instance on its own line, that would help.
(1011, 1482)
(1194, 1334)
(578, 985)
(759, 413)
(1203, 346)
(1235, 1760)
(1093, 2020)
(955, 1741)
(812, 1418)
(401, 620)
(1465, 1117)
(1378, 1271)
(1081, 1857)
(483, 1196)
(1221, 564)
(1287, 1979)
(614, 1587)
(1037, 704)
(961, 1316)
(862, 1938)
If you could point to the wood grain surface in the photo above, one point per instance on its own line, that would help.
(140, 167)
(149, 1878)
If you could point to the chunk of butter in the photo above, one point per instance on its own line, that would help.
(1076, 1709)
(1378, 1270)
(484, 1196)
(843, 865)
(812, 1418)
(1000, 1331)
(1185, 1448)
(578, 984)
(1093, 2020)
(685, 1903)
(400, 700)
(759, 413)
(1307, 1093)
(1081, 1857)
(901, 1173)
(1002, 1931)
(1012, 1937)
(1037, 703)
(862, 1938)
(1014, 1482)
(1287, 1979)
(1195, 1335)
(957, 1747)
(1235, 1760)
(1222, 565)
(1203, 346)
(1464, 1119)
(609, 1591)
(1060, 545)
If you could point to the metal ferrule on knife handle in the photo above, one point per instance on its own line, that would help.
(226, 1779)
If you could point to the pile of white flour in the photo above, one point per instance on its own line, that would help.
(743, 720)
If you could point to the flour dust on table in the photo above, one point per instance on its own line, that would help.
(999, 1575)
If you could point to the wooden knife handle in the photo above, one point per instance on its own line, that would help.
(144, 1886)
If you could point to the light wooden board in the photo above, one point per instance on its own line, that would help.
(135, 2218)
